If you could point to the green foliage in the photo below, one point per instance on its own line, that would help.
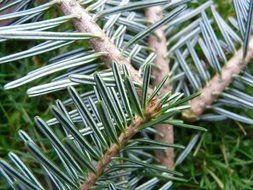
(105, 104)
(97, 137)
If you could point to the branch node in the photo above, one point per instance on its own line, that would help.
(220, 82)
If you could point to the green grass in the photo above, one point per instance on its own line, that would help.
(223, 158)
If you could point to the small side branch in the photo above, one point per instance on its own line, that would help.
(113, 151)
(85, 23)
(158, 43)
(218, 83)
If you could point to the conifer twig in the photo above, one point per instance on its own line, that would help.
(114, 149)
(158, 43)
(85, 23)
(218, 83)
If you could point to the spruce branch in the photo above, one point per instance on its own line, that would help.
(219, 83)
(89, 156)
(85, 23)
(158, 43)
(114, 149)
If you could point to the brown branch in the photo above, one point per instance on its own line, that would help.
(158, 43)
(218, 83)
(7, 11)
(114, 149)
(85, 23)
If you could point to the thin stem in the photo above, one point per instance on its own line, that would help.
(158, 43)
(218, 83)
(85, 23)
(114, 149)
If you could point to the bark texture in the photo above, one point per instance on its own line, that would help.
(158, 43)
(218, 83)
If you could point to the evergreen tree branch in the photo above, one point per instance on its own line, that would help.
(219, 83)
(85, 23)
(114, 149)
(158, 43)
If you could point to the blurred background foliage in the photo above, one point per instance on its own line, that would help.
(223, 159)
